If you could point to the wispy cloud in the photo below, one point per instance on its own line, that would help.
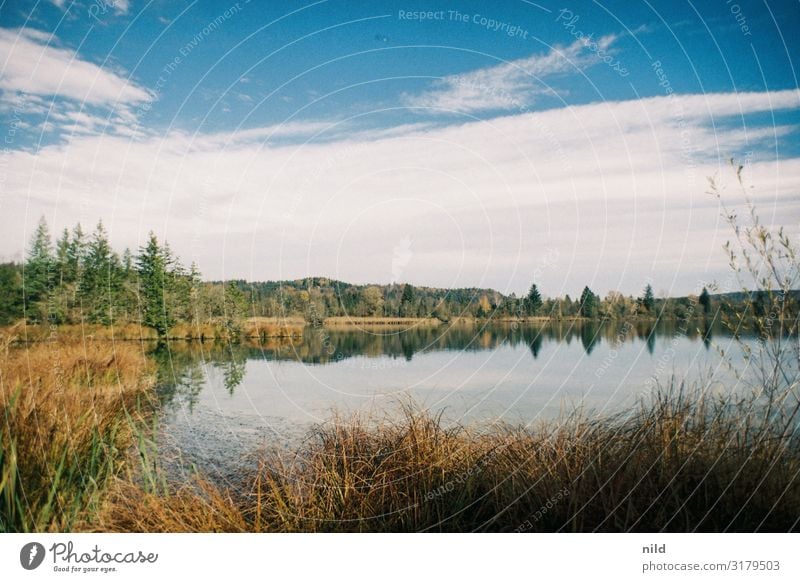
(61, 93)
(266, 135)
(33, 64)
(615, 188)
(121, 6)
(511, 85)
(117, 6)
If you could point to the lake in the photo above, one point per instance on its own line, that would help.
(221, 402)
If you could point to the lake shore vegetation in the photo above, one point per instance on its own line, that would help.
(75, 418)
(90, 291)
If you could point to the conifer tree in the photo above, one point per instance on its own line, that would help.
(533, 302)
(38, 274)
(151, 265)
(648, 300)
(101, 282)
(588, 303)
(705, 300)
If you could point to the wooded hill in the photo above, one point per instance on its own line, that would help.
(81, 279)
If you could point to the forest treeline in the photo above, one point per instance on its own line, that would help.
(80, 278)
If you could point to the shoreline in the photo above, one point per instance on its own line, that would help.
(378, 474)
(263, 328)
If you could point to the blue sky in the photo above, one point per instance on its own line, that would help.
(451, 143)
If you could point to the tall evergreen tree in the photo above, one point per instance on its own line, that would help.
(151, 265)
(588, 303)
(407, 301)
(76, 254)
(11, 300)
(648, 300)
(235, 308)
(408, 294)
(127, 261)
(101, 282)
(533, 302)
(705, 300)
(38, 273)
(62, 256)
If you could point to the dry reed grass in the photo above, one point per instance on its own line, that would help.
(67, 418)
(681, 462)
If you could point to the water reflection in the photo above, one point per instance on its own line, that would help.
(223, 399)
(180, 368)
(707, 335)
(181, 365)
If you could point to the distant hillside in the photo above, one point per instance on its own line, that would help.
(331, 297)
(320, 297)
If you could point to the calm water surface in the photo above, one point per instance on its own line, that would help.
(223, 402)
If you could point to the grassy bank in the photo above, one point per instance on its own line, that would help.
(376, 321)
(264, 328)
(68, 415)
(257, 328)
(680, 462)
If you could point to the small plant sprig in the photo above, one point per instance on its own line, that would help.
(764, 262)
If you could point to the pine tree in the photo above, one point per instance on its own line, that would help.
(62, 257)
(10, 293)
(408, 294)
(588, 303)
(127, 261)
(101, 283)
(151, 265)
(38, 273)
(63, 289)
(533, 302)
(235, 307)
(648, 301)
(705, 300)
(406, 300)
(76, 253)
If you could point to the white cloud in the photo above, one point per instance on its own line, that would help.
(615, 190)
(121, 6)
(511, 85)
(32, 65)
(118, 6)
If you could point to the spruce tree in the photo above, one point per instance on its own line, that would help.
(38, 272)
(705, 300)
(588, 303)
(406, 300)
(62, 257)
(76, 253)
(533, 302)
(648, 300)
(102, 278)
(235, 308)
(151, 265)
(10, 293)
(408, 294)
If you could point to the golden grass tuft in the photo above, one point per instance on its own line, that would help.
(273, 327)
(682, 462)
(375, 322)
(67, 416)
(192, 507)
